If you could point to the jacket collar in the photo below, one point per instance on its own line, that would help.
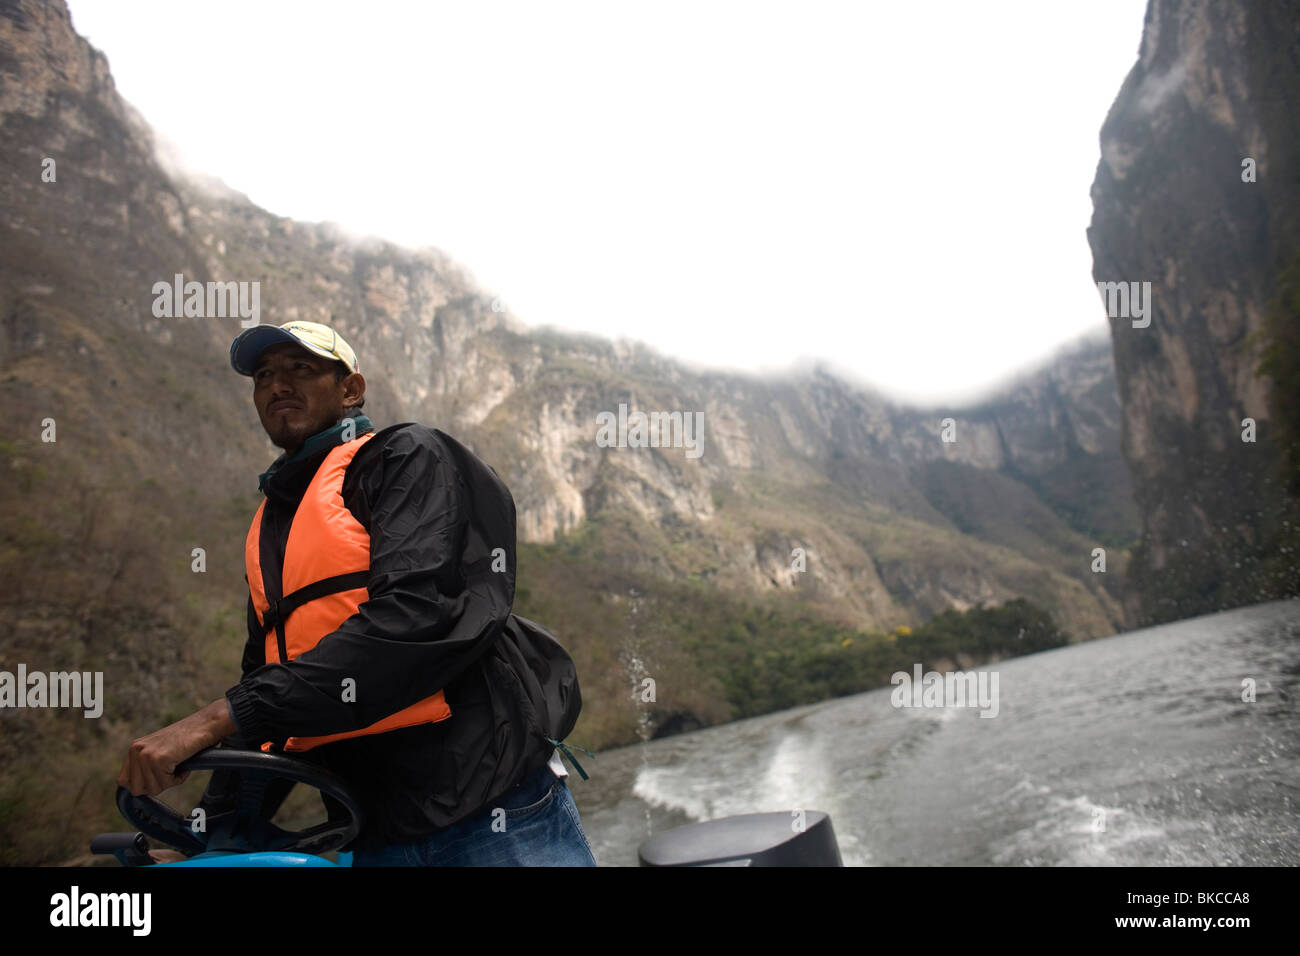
(317, 445)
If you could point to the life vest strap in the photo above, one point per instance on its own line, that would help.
(274, 616)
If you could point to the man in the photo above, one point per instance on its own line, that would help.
(381, 639)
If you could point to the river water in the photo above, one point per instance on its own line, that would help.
(1136, 749)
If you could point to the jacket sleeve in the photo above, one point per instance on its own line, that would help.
(426, 619)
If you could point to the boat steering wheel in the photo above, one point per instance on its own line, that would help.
(242, 829)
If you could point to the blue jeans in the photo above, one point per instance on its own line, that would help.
(535, 824)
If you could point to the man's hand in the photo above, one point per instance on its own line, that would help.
(150, 766)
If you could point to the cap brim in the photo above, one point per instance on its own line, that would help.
(251, 343)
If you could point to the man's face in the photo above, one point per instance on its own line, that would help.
(296, 394)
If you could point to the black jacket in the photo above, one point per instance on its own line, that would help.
(436, 609)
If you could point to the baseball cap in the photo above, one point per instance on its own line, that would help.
(313, 336)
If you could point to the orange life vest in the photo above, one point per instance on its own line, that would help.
(325, 569)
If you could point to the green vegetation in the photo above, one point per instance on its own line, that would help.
(105, 584)
(769, 660)
(716, 656)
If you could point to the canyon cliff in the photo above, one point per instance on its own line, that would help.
(1198, 194)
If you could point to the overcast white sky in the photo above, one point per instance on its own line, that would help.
(898, 188)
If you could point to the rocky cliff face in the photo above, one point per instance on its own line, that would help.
(1177, 204)
(895, 522)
